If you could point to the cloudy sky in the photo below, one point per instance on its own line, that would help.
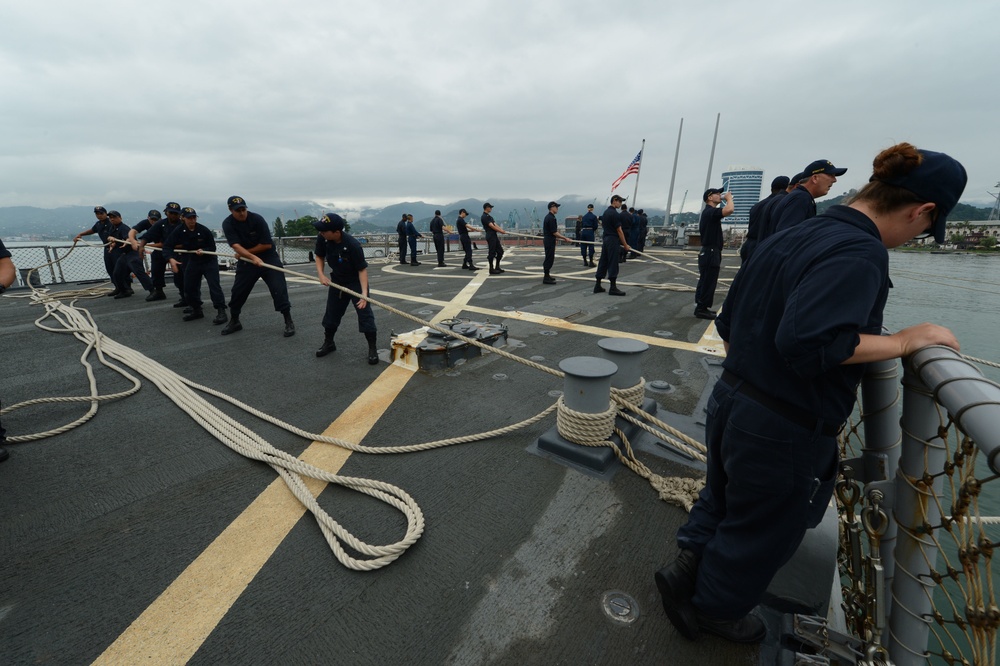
(370, 103)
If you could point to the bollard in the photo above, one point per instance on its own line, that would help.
(587, 389)
(627, 354)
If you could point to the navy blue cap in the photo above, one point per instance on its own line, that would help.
(329, 222)
(189, 212)
(100, 209)
(172, 207)
(155, 214)
(711, 190)
(779, 183)
(797, 178)
(114, 213)
(938, 179)
(234, 202)
(822, 166)
(551, 204)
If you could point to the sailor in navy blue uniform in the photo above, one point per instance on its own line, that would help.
(710, 255)
(348, 268)
(766, 219)
(588, 227)
(101, 228)
(495, 249)
(156, 236)
(128, 260)
(401, 233)
(800, 322)
(194, 239)
(137, 253)
(778, 187)
(7, 276)
(463, 237)
(437, 234)
(411, 237)
(248, 234)
(612, 243)
(550, 233)
(800, 204)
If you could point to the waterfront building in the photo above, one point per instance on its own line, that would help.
(744, 183)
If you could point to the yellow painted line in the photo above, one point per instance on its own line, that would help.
(176, 624)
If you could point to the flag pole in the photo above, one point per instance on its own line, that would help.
(635, 192)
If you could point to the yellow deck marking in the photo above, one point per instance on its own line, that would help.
(175, 625)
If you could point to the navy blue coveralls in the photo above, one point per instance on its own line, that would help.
(792, 316)
(401, 233)
(754, 225)
(437, 232)
(493, 245)
(115, 252)
(159, 233)
(550, 225)
(797, 207)
(625, 220)
(766, 223)
(611, 245)
(588, 226)
(102, 228)
(195, 267)
(249, 234)
(130, 262)
(345, 259)
(411, 236)
(710, 257)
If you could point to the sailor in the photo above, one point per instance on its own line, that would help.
(401, 233)
(156, 236)
(463, 237)
(625, 219)
(7, 276)
(116, 234)
(796, 351)
(348, 268)
(248, 234)
(196, 239)
(800, 204)
(633, 237)
(437, 233)
(640, 241)
(588, 227)
(495, 249)
(129, 261)
(101, 227)
(550, 232)
(411, 236)
(710, 256)
(778, 187)
(137, 254)
(612, 242)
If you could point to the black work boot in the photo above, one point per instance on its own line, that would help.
(220, 318)
(195, 313)
(115, 293)
(614, 290)
(598, 289)
(372, 350)
(676, 585)
(548, 279)
(289, 325)
(233, 325)
(156, 295)
(747, 629)
(328, 344)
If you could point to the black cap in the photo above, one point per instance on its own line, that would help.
(797, 178)
(551, 204)
(711, 190)
(100, 209)
(114, 213)
(822, 166)
(155, 214)
(234, 202)
(939, 179)
(590, 206)
(487, 205)
(617, 197)
(172, 207)
(329, 222)
(779, 183)
(189, 212)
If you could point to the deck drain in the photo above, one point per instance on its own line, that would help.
(537, 359)
(548, 333)
(555, 394)
(425, 312)
(620, 607)
(660, 386)
(664, 334)
(500, 377)
(681, 373)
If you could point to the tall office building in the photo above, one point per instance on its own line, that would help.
(745, 184)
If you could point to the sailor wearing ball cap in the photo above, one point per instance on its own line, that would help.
(817, 179)
(349, 269)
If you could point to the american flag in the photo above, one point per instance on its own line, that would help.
(633, 167)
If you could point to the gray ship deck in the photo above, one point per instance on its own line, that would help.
(138, 538)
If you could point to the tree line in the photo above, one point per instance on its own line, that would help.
(300, 226)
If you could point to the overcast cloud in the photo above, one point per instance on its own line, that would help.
(370, 103)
